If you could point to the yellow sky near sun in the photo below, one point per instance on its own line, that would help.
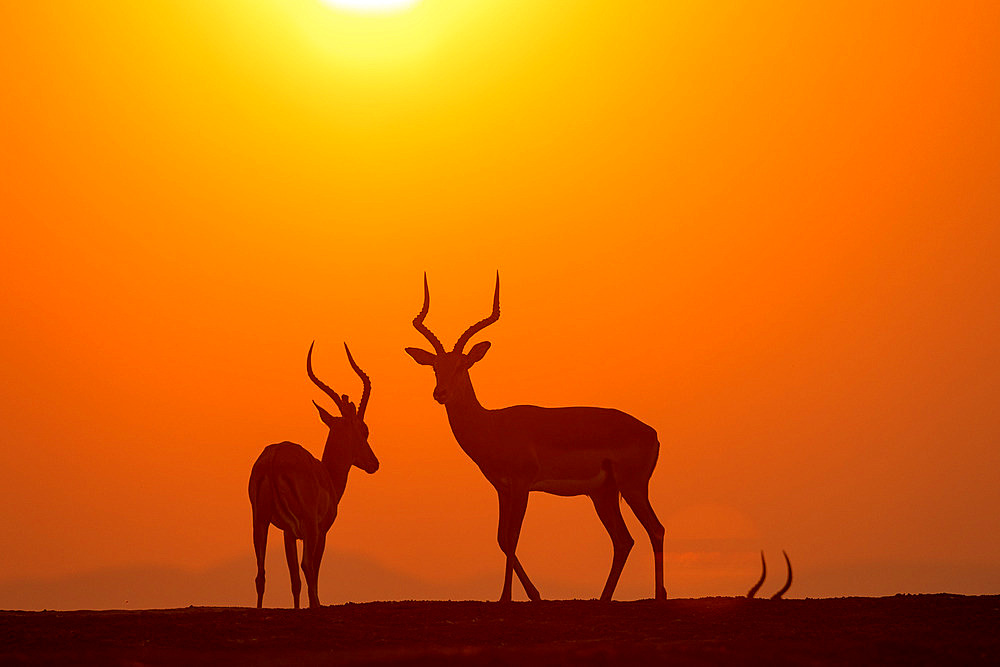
(371, 6)
(767, 230)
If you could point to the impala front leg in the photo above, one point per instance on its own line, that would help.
(317, 559)
(503, 529)
(292, 556)
(529, 588)
(511, 517)
(312, 552)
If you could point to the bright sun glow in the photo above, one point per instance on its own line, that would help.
(370, 5)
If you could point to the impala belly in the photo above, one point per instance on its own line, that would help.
(571, 487)
(285, 517)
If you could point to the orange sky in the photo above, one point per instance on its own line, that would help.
(769, 230)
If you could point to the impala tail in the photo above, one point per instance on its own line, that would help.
(763, 575)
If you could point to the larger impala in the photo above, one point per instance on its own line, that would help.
(292, 490)
(597, 452)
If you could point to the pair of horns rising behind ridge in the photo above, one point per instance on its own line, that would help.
(763, 574)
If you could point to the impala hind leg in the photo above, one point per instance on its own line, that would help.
(637, 497)
(292, 557)
(260, 527)
(609, 511)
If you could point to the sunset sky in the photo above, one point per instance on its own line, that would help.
(770, 230)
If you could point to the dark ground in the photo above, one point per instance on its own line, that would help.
(904, 629)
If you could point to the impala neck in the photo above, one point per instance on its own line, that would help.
(337, 461)
(463, 407)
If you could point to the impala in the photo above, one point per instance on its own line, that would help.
(292, 490)
(597, 452)
(763, 574)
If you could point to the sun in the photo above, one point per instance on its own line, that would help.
(370, 6)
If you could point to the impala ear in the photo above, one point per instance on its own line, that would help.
(327, 418)
(422, 357)
(477, 352)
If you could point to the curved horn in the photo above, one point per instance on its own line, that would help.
(418, 321)
(365, 380)
(481, 324)
(763, 573)
(788, 582)
(316, 381)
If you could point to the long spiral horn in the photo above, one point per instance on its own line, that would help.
(788, 581)
(365, 381)
(763, 575)
(418, 321)
(481, 324)
(316, 381)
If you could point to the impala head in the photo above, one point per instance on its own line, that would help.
(451, 369)
(348, 432)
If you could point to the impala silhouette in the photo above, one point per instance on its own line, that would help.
(292, 490)
(597, 452)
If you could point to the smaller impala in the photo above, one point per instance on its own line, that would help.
(292, 490)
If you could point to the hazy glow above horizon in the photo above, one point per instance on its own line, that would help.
(370, 6)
